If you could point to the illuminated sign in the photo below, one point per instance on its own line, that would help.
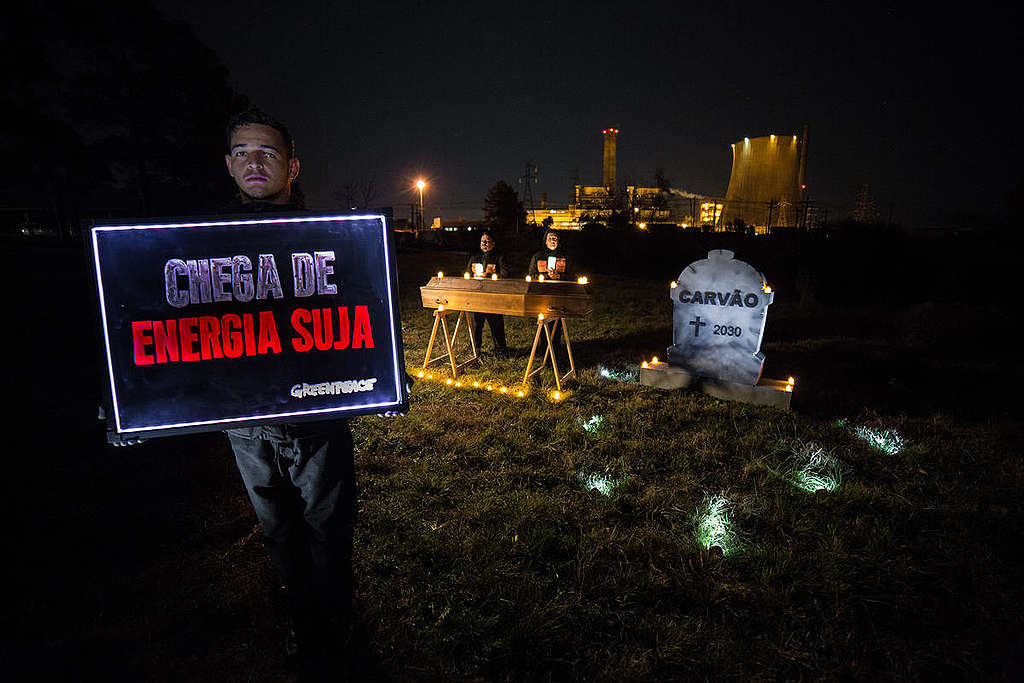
(242, 321)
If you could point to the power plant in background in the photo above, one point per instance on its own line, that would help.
(608, 175)
(766, 186)
(766, 190)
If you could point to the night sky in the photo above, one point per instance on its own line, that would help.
(917, 103)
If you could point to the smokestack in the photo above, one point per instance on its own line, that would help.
(802, 173)
(608, 178)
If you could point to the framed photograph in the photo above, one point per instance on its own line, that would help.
(246, 320)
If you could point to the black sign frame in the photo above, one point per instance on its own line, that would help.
(324, 384)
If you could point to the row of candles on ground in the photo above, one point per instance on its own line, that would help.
(582, 280)
(515, 391)
(654, 362)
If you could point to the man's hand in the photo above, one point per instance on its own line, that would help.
(408, 389)
(116, 439)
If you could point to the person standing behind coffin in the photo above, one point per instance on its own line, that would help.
(554, 264)
(483, 265)
(552, 261)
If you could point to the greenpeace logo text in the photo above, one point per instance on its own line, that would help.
(332, 388)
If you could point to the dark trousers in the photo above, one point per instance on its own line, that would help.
(497, 325)
(303, 492)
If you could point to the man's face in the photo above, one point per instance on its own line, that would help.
(551, 241)
(258, 161)
(486, 243)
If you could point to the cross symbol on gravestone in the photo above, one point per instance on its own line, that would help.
(697, 324)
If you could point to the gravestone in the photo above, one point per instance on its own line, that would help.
(720, 305)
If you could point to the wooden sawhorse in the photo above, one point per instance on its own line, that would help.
(549, 325)
(440, 318)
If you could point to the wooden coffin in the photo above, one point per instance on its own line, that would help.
(508, 296)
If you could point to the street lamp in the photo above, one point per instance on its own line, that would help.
(420, 185)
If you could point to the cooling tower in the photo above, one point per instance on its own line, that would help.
(608, 177)
(765, 184)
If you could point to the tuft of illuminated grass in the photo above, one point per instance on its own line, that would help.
(593, 424)
(886, 440)
(627, 374)
(602, 483)
(714, 528)
(812, 469)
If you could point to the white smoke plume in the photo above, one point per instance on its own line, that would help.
(684, 194)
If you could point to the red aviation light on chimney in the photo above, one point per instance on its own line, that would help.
(614, 131)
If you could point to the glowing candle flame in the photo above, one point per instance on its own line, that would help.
(529, 279)
(540, 278)
(583, 280)
(440, 273)
(494, 276)
(465, 275)
(673, 284)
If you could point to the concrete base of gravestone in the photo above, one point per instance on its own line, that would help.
(767, 392)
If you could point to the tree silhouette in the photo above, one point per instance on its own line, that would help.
(119, 109)
(503, 212)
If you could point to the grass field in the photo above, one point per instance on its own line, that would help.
(623, 533)
(504, 538)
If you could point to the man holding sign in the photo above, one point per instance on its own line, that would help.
(203, 330)
(299, 477)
